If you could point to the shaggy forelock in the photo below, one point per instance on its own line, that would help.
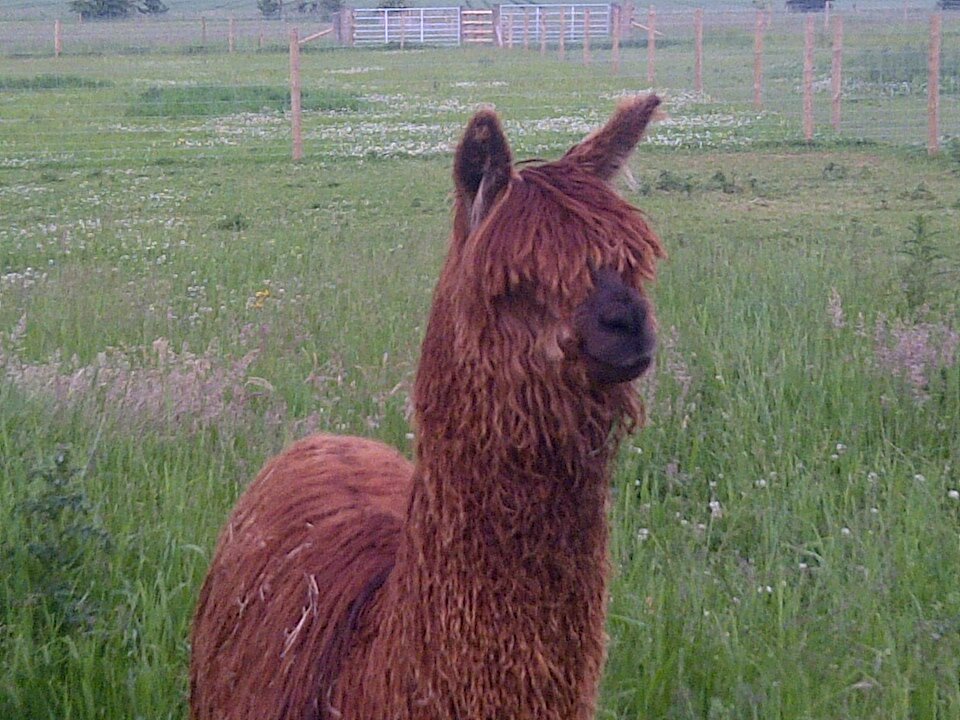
(553, 226)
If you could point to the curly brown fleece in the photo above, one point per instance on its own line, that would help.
(471, 584)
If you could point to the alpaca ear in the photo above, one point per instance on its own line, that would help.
(483, 165)
(605, 151)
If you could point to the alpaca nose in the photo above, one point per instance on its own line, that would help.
(617, 336)
(623, 318)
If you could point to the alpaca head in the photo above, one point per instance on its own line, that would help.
(542, 292)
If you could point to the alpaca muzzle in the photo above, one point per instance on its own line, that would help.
(616, 331)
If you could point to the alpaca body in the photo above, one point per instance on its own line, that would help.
(312, 535)
(485, 592)
(470, 584)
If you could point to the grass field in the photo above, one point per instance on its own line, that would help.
(178, 301)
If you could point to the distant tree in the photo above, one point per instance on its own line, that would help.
(806, 5)
(269, 8)
(393, 4)
(102, 8)
(330, 8)
(152, 7)
(324, 8)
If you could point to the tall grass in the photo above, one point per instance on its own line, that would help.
(786, 529)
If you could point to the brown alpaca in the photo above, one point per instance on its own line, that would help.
(471, 584)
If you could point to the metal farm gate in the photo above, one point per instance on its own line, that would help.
(531, 22)
(415, 26)
(452, 26)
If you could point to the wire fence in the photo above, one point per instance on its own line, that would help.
(166, 89)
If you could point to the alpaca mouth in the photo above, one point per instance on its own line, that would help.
(613, 373)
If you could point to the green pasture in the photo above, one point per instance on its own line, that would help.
(178, 300)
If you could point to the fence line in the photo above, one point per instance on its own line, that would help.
(296, 110)
(790, 57)
(651, 45)
(836, 74)
(933, 85)
(698, 50)
(441, 26)
(452, 26)
(808, 79)
(759, 28)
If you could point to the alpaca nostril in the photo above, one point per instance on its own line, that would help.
(622, 318)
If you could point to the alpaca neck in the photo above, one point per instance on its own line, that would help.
(482, 507)
(499, 591)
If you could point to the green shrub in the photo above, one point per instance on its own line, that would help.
(212, 100)
(51, 82)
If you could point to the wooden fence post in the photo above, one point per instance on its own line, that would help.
(933, 85)
(836, 73)
(626, 19)
(260, 37)
(698, 51)
(231, 34)
(203, 30)
(561, 50)
(808, 37)
(651, 45)
(543, 31)
(615, 50)
(296, 118)
(758, 62)
(526, 28)
(586, 36)
(509, 32)
(57, 37)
